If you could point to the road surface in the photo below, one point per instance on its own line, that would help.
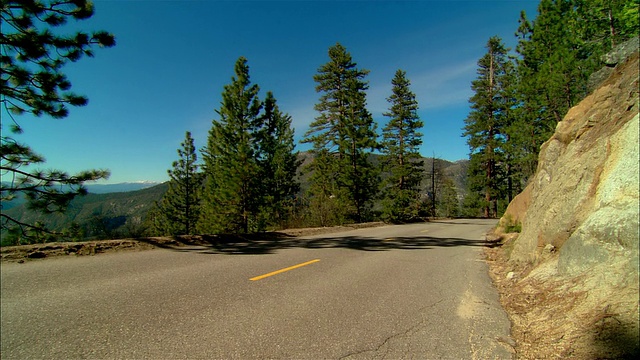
(411, 291)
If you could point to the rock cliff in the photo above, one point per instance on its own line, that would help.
(579, 214)
(583, 200)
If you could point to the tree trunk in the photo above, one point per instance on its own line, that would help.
(612, 29)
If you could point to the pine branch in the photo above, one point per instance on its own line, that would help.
(25, 228)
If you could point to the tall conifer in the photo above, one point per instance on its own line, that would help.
(278, 163)
(400, 146)
(230, 165)
(341, 135)
(484, 127)
(179, 209)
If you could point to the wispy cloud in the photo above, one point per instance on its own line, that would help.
(302, 114)
(434, 87)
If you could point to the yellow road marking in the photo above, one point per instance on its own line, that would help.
(283, 270)
(424, 231)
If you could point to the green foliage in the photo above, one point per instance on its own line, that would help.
(552, 73)
(485, 125)
(602, 24)
(557, 53)
(511, 226)
(179, 210)
(341, 135)
(401, 206)
(510, 120)
(32, 57)
(278, 164)
(230, 163)
(449, 204)
(400, 147)
(472, 205)
(249, 162)
(133, 214)
(326, 200)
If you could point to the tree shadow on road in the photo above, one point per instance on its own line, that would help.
(268, 243)
(478, 221)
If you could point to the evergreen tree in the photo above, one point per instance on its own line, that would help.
(341, 135)
(558, 51)
(179, 208)
(278, 163)
(449, 205)
(603, 24)
(231, 195)
(32, 56)
(552, 74)
(326, 200)
(485, 124)
(400, 146)
(518, 150)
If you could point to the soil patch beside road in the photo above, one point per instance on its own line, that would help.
(22, 253)
(553, 317)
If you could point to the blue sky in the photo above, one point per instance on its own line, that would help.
(172, 59)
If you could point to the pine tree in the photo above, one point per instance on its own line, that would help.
(449, 205)
(326, 200)
(485, 125)
(603, 24)
(278, 163)
(558, 51)
(518, 150)
(400, 146)
(180, 206)
(230, 199)
(32, 57)
(552, 73)
(341, 135)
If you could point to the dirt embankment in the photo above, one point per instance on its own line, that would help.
(558, 317)
(24, 253)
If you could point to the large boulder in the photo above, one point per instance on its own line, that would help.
(573, 281)
(583, 200)
(619, 54)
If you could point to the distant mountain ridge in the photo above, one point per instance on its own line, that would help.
(91, 188)
(99, 215)
(119, 187)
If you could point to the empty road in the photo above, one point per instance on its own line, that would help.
(411, 291)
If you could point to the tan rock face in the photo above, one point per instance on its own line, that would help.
(574, 284)
(583, 199)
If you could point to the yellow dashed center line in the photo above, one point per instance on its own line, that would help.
(283, 270)
(424, 231)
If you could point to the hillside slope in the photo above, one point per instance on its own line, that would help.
(112, 210)
(576, 259)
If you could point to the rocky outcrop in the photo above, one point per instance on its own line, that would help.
(610, 60)
(583, 199)
(579, 213)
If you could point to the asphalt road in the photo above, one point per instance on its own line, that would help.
(411, 291)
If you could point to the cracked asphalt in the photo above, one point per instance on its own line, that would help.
(395, 292)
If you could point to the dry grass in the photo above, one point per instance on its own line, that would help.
(557, 318)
